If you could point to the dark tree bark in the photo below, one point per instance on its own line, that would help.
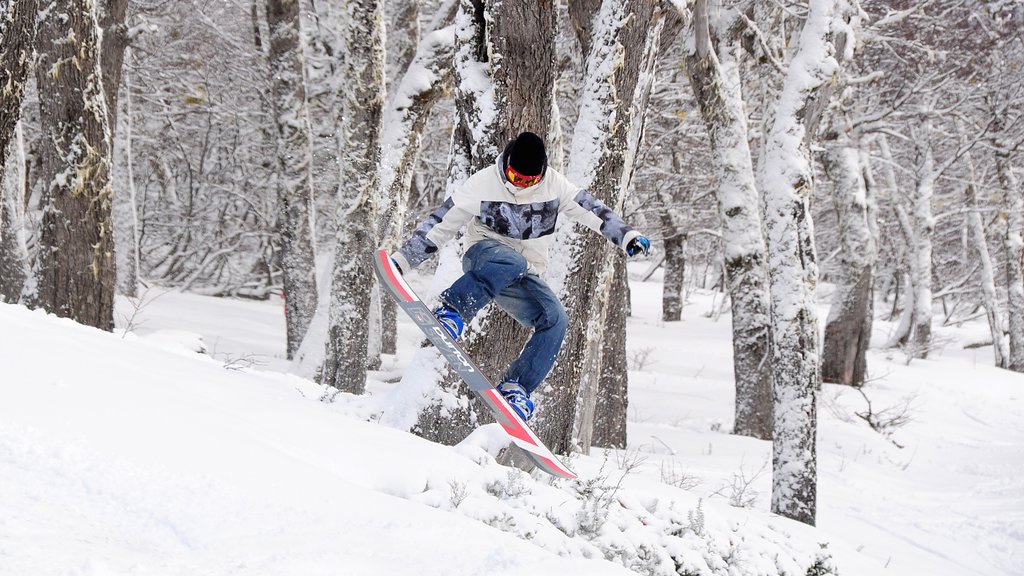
(75, 271)
(17, 42)
(519, 35)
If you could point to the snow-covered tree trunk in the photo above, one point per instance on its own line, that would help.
(979, 243)
(504, 84)
(359, 150)
(674, 247)
(786, 183)
(425, 79)
(613, 398)
(125, 210)
(717, 86)
(1013, 243)
(112, 16)
(848, 327)
(75, 269)
(620, 40)
(17, 45)
(13, 247)
(922, 221)
(294, 158)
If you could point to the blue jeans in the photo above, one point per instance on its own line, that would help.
(496, 272)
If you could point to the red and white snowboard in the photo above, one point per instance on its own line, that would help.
(456, 355)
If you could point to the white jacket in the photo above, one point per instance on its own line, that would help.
(523, 218)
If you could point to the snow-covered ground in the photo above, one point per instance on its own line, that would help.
(131, 454)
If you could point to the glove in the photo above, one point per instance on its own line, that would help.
(638, 245)
(397, 267)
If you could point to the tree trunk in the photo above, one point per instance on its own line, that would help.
(360, 159)
(675, 272)
(787, 184)
(716, 84)
(112, 17)
(18, 31)
(923, 227)
(976, 229)
(848, 328)
(1013, 243)
(75, 272)
(13, 246)
(620, 40)
(612, 402)
(294, 158)
(512, 44)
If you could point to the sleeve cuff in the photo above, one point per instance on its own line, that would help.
(627, 238)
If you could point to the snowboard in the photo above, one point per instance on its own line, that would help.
(460, 361)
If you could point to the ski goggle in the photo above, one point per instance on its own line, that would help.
(519, 180)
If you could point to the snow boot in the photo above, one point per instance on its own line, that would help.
(517, 398)
(450, 320)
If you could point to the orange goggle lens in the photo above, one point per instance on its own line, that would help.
(519, 180)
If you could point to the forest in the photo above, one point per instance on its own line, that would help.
(266, 147)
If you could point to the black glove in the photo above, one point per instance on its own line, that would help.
(638, 245)
(397, 267)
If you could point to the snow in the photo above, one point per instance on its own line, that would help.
(132, 453)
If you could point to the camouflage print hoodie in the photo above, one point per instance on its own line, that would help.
(523, 218)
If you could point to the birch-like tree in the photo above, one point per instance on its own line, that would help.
(714, 71)
(359, 153)
(75, 269)
(295, 225)
(787, 181)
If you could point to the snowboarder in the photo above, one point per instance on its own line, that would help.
(510, 210)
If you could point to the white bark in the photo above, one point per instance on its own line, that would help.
(715, 77)
(786, 183)
(1013, 243)
(979, 244)
(922, 222)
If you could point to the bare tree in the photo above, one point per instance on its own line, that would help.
(75, 270)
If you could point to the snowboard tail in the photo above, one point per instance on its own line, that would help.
(460, 361)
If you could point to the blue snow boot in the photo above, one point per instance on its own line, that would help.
(517, 398)
(450, 320)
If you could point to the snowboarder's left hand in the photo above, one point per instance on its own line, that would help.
(638, 245)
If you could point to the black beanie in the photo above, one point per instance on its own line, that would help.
(526, 154)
